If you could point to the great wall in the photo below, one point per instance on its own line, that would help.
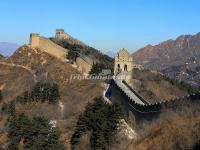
(46, 45)
(121, 92)
(139, 107)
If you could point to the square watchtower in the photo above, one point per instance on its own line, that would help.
(123, 61)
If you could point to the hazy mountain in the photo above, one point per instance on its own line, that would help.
(179, 58)
(111, 53)
(7, 49)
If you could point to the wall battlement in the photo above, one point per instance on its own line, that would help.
(60, 34)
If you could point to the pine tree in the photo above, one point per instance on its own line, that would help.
(45, 92)
(73, 53)
(18, 128)
(102, 120)
(53, 140)
(97, 68)
(54, 94)
(36, 133)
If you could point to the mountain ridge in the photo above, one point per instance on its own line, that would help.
(171, 55)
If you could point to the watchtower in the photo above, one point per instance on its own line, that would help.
(123, 61)
(60, 34)
(34, 40)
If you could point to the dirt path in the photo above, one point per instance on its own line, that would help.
(20, 66)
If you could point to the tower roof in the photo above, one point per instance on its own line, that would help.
(123, 52)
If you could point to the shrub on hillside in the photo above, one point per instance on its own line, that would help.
(41, 92)
(101, 119)
(97, 68)
(45, 91)
(72, 54)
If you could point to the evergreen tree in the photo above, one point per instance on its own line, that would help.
(54, 94)
(37, 137)
(73, 53)
(97, 68)
(53, 140)
(102, 120)
(45, 92)
(35, 134)
(18, 129)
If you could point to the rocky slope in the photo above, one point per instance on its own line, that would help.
(179, 59)
(27, 66)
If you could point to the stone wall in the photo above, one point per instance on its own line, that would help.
(53, 49)
(147, 112)
(48, 46)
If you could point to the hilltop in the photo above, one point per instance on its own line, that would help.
(178, 59)
(91, 54)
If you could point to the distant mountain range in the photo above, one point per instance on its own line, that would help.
(111, 53)
(179, 59)
(7, 49)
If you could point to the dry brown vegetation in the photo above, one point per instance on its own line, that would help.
(14, 80)
(75, 95)
(3, 135)
(150, 85)
(174, 130)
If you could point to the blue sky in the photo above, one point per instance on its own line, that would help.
(103, 24)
